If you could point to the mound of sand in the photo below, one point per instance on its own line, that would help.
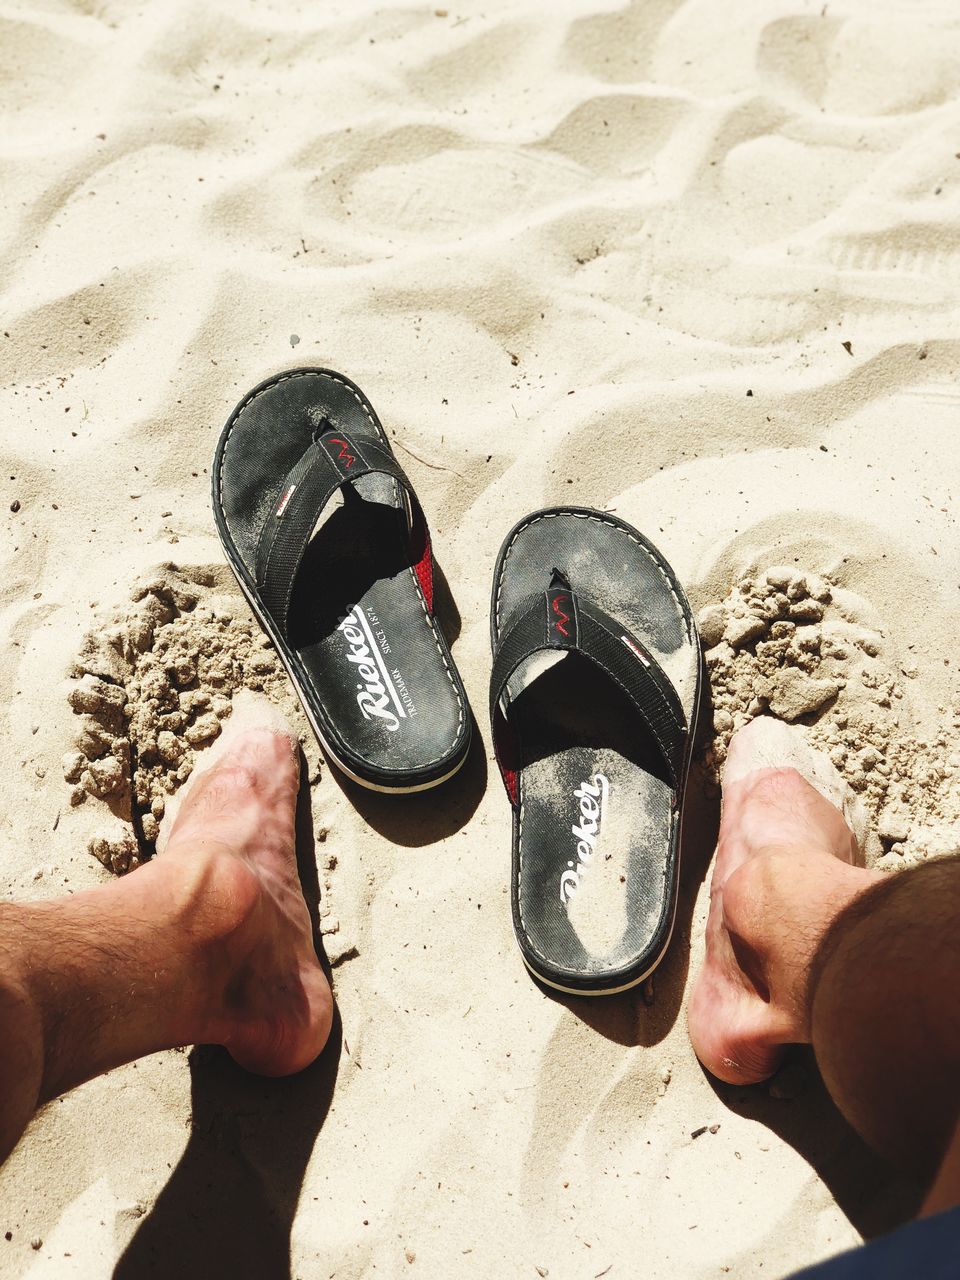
(796, 646)
(151, 685)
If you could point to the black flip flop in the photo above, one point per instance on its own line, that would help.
(348, 604)
(593, 702)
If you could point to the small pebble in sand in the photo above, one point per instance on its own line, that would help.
(338, 948)
(103, 700)
(204, 729)
(791, 693)
(711, 623)
(104, 777)
(119, 853)
(169, 746)
(722, 721)
(806, 611)
(73, 764)
(743, 631)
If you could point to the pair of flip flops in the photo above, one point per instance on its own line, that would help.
(596, 667)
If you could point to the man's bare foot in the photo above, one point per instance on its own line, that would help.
(784, 869)
(230, 840)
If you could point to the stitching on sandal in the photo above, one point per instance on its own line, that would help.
(443, 656)
(659, 692)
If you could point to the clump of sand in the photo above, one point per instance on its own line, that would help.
(798, 647)
(151, 686)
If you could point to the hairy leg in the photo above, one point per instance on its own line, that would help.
(21, 1060)
(884, 1019)
(211, 942)
(805, 946)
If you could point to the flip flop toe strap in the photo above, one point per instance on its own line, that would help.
(559, 619)
(332, 459)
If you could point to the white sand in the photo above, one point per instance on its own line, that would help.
(559, 245)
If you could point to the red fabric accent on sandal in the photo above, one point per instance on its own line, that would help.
(424, 571)
(510, 782)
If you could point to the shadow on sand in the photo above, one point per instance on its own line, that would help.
(228, 1207)
(872, 1194)
(413, 821)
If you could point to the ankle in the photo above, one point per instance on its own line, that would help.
(777, 908)
(214, 905)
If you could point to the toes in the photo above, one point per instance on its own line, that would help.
(226, 788)
(809, 782)
(264, 750)
(254, 711)
(263, 754)
(257, 777)
(256, 737)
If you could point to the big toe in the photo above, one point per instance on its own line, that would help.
(768, 743)
(256, 736)
(256, 711)
(787, 780)
(257, 752)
